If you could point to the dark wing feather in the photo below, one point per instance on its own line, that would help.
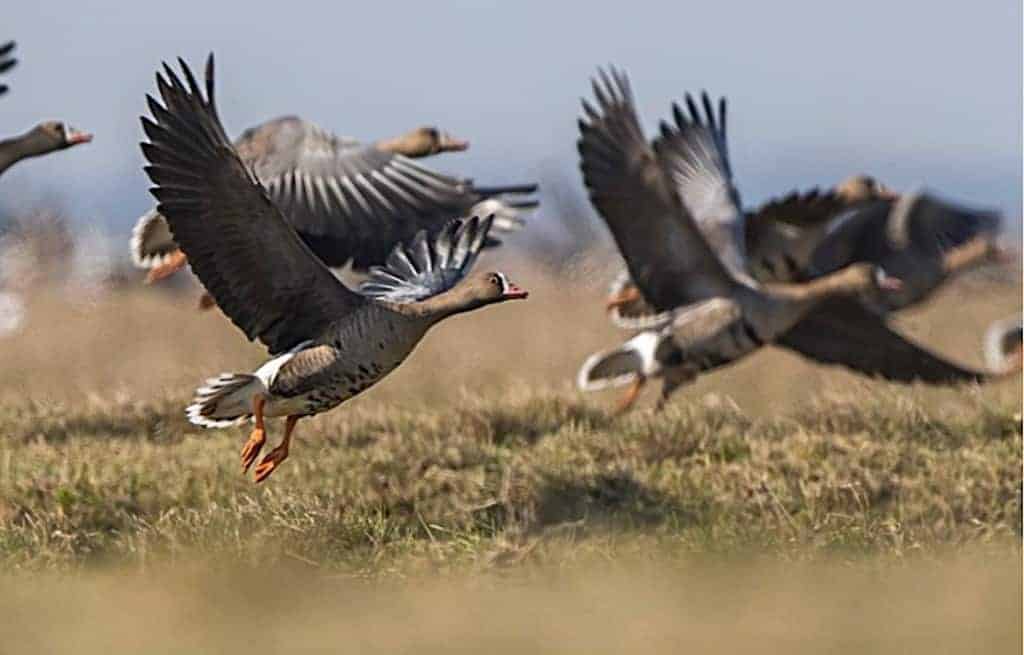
(844, 332)
(7, 62)
(238, 243)
(786, 238)
(665, 252)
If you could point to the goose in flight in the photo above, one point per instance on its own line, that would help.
(46, 137)
(347, 200)
(674, 213)
(797, 240)
(327, 342)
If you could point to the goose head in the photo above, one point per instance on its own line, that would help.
(422, 142)
(860, 188)
(476, 291)
(49, 136)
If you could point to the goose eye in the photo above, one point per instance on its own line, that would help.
(495, 280)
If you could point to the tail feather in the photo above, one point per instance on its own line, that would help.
(508, 204)
(151, 243)
(1003, 345)
(224, 401)
(621, 366)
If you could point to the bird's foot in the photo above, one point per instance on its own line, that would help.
(251, 449)
(270, 463)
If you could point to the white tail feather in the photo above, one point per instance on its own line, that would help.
(507, 218)
(1003, 344)
(151, 243)
(225, 400)
(623, 365)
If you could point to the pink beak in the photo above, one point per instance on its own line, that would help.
(74, 137)
(512, 292)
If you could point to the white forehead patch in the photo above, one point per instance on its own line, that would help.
(504, 282)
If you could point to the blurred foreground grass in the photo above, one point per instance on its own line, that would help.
(776, 504)
(970, 603)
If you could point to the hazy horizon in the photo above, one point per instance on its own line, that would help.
(916, 94)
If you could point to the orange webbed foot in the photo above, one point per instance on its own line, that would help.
(274, 458)
(270, 463)
(251, 449)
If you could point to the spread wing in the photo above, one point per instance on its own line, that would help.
(695, 154)
(844, 332)
(238, 243)
(7, 62)
(350, 200)
(427, 267)
(664, 250)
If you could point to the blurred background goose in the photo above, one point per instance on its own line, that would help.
(779, 239)
(46, 137)
(675, 215)
(349, 201)
(916, 237)
(328, 342)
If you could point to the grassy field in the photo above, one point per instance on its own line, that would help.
(474, 501)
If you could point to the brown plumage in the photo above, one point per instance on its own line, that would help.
(329, 342)
(349, 201)
(799, 239)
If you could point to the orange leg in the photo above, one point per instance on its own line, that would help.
(175, 261)
(624, 297)
(631, 395)
(274, 458)
(206, 302)
(251, 449)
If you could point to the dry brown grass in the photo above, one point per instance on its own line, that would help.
(141, 344)
(776, 503)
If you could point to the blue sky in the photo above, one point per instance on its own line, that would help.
(913, 92)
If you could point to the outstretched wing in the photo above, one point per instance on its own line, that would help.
(250, 260)
(354, 201)
(664, 250)
(427, 267)
(844, 332)
(695, 154)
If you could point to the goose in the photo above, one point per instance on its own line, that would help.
(799, 239)
(675, 216)
(348, 200)
(778, 237)
(327, 343)
(46, 137)
(916, 237)
(808, 237)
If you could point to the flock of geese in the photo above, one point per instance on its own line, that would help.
(262, 219)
